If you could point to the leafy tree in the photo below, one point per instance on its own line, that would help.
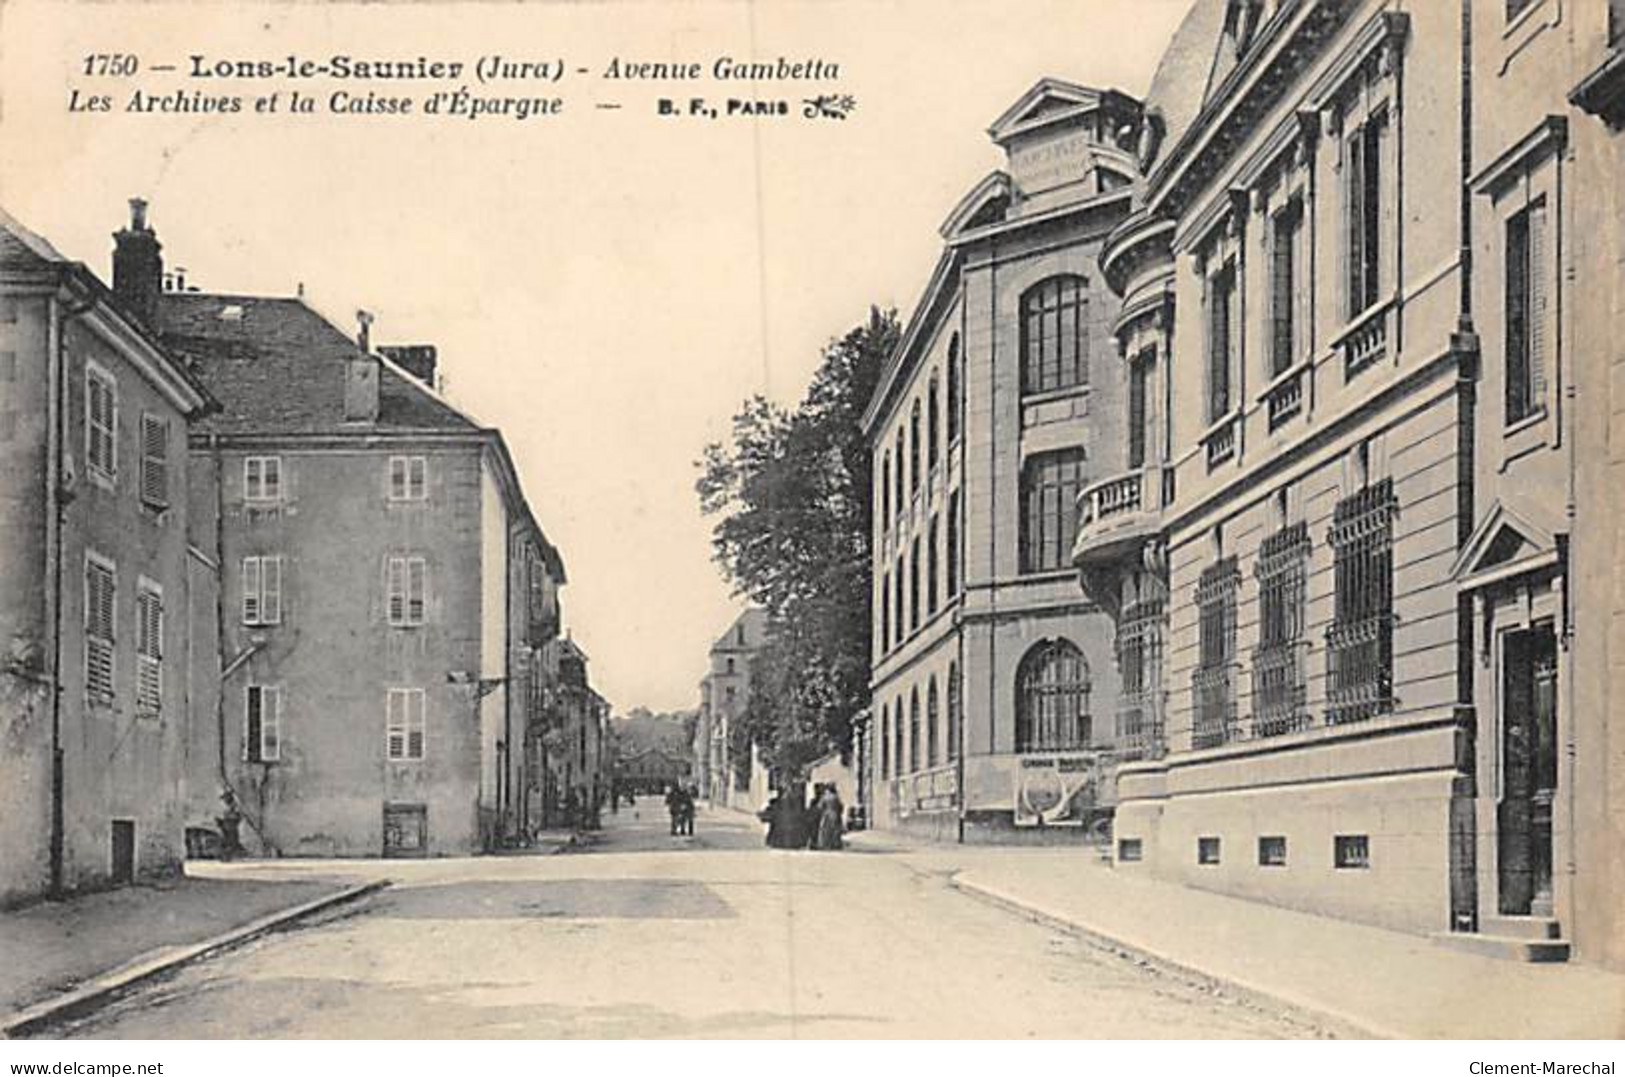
(791, 494)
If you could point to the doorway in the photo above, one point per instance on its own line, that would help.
(406, 830)
(1529, 770)
(123, 852)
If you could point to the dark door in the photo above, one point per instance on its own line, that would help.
(406, 830)
(1529, 771)
(123, 852)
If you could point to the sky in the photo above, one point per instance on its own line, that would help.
(605, 285)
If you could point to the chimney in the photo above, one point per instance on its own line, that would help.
(418, 360)
(361, 376)
(138, 267)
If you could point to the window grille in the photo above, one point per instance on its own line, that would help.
(1049, 494)
(1139, 660)
(1272, 852)
(1279, 686)
(1207, 851)
(1360, 641)
(1055, 335)
(100, 590)
(1052, 704)
(1351, 850)
(1213, 682)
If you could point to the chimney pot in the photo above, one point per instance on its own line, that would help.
(138, 265)
(138, 214)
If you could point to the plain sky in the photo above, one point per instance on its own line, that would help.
(605, 285)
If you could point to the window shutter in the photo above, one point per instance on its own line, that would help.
(271, 590)
(149, 687)
(415, 724)
(99, 594)
(397, 478)
(417, 479)
(251, 590)
(252, 703)
(397, 590)
(271, 724)
(1538, 313)
(154, 461)
(416, 588)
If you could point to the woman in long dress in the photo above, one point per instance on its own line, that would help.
(831, 813)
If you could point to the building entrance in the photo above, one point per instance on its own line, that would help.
(1529, 770)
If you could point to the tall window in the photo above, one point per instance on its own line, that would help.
(913, 730)
(1526, 312)
(902, 494)
(149, 649)
(101, 423)
(1141, 372)
(931, 715)
(407, 586)
(914, 449)
(1052, 699)
(1055, 335)
(1287, 283)
(1278, 662)
(914, 586)
(262, 590)
(1221, 314)
(1213, 681)
(262, 723)
(1362, 193)
(405, 725)
(885, 740)
(99, 620)
(954, 403)
(954, 716)
(885, 491)
(1049, 514)
(952, 549)
(885, 611)
(899, 764)
(899, 581)
(262, 478)
(933, 427)
(931, 537)
(1360, 641)
(1139, 659)
(154, 462)
(408, 478)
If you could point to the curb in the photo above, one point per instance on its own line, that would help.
(32, 1019)
(1342, 1023)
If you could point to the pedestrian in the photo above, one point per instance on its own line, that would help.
(830, 813)
(687, 828)
(674, 808)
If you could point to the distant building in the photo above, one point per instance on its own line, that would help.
(730, 774)
(95, 572)
(569, 759)
(384, 591)
(994, 683)
(653, 751)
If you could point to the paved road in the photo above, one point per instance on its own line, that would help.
(650, 936)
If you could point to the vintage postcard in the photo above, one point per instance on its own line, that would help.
(845, 520)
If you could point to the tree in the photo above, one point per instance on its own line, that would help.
(791, 494)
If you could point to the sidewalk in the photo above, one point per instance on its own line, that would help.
(1388, 983)
(55, 949)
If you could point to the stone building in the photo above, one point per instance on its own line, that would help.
(727, 774)
(95, 570)
(569, 758)
(384, 592)
(994, 693)
(1366, 249)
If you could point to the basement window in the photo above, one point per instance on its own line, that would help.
(1130, 850)
(1272, 852)
(1207, 850)
(1351, 851)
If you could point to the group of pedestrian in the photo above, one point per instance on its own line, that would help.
(680, 805)
(793, 824)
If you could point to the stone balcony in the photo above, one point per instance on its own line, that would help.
(1116, 515)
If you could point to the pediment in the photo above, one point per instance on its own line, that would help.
(984, 205)
(1505, 543)
(1050, 100)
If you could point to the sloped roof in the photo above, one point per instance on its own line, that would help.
(1189, 69)
(277, 366)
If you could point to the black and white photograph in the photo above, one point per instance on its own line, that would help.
(835, 520)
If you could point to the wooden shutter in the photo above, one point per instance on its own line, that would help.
(415, 724)
(271, 724)
(417, 478)
(99, 613)
(416, 589)
(154, 461)
(271, 590)
(1538, 314)
(251, 590)
(149, 652)
(395, 733)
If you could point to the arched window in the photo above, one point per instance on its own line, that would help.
(1052, 699)
(914, 449)
(901, 498)
(885, 740)
(914, 730)
(953, 389)
(1055, 335)
(885, 491)
(897, 738)
(954, 705)
(931, 714)
(933, 428)
(931, 567)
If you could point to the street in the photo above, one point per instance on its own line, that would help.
(645, 935)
